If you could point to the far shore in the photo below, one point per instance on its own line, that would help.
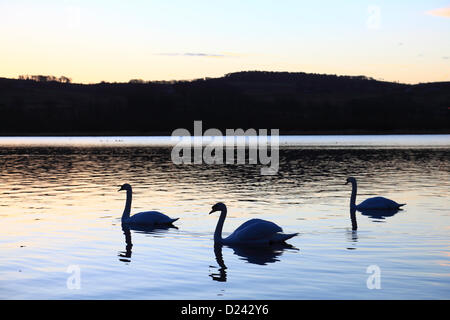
(166, 133)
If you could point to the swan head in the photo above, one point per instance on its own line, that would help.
(218, 207)
(350, 180)
(125, 186)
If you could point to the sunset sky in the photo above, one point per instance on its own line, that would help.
(92, 41)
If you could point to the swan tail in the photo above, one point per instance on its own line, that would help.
(282, 237)
(291, 235)
(173, 220)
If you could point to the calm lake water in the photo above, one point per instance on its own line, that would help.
(60, 211)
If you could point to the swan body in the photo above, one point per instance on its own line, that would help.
(378, 203)
(150, 218)
(375, 203)
(251, 232)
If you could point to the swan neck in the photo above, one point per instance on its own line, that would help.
(353, 219)
(219, 227)
(126, 211)
(353, 197)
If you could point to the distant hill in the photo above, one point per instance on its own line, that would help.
(291, 102)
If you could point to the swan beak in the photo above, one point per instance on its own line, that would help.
(211, 211)
(346, 183)
(120, 189)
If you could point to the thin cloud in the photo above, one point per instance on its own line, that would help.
(197, 54)
(203, 54)
(442, 12)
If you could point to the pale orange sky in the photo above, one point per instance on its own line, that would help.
(92, 41)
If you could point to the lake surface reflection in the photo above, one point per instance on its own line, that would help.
(60, 207)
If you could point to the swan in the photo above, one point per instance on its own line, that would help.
(375, 203)
(252, 232)
(154, 218)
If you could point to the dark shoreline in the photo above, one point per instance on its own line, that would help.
(294, 103)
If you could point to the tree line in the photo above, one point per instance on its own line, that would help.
(41, 78)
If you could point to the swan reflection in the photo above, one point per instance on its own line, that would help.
(375, 215)
(379, 214)
(261, 255)
(352, 235)
(221, 276)
(125, 256)
(127, 253)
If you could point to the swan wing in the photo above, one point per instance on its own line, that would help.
(255, 229)
(250, 222)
